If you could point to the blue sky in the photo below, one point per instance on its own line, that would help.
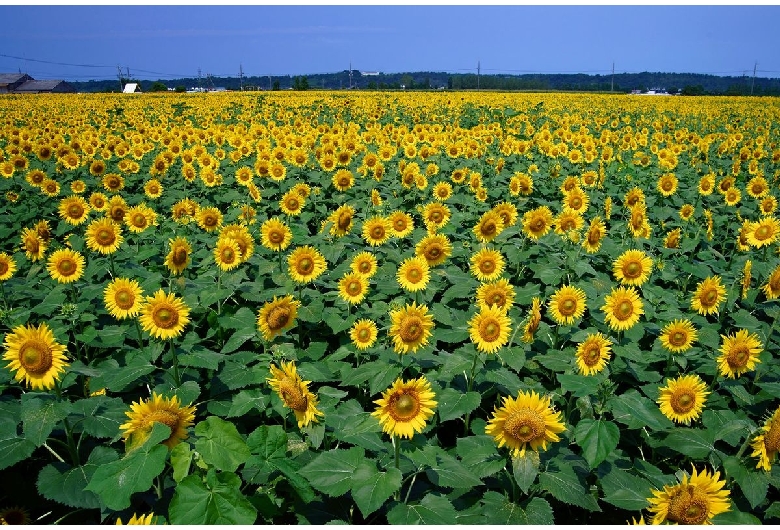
(171, 41)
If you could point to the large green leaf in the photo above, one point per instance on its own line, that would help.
(455, 404)
(598, 438)
(13, 449)
(247, 400)
(754, 484)
(636, 411)
(115, 482)
(371, 487)
(433, 509)
(565, 486)
(499, 510)
(216, 501)
(690, 442)
(625, 490)
(525, 469)
(480, 455)
(67, 485)
(101, 415)
(448, 472)
(40, 414)
(181, 460)
(331, 472)
(220, 444)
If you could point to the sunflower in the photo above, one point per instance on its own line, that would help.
(593, 354)
(686, 212)
(667, 184)
(442, 191)
(534, 318)
(34, 246)
(104, 236)
(140, 217)
(732, 196)
(14, 515)
(342, 220)
(411, 327)
(768, 205)
(178, 257)
(575, 200)
(242, 237)
(113, 182)
(363, 333)
(66, 265)
(500, 294)
(632, 267)
(147, 519)
(292, 203)
(435, 216)
(364, 263)
(537, 222)
(377, 230)
(521, 184)
(527, 421)
(353, 287)
(343, 179)
(488, 227)
(227, 254)
(277, 171)
(413, 274)
(771, 288)
(295, 393)
(401, 224)
(434, 248)
(35, 177)
(277, 316)
(7, 266)
(123, 298)
(35, 355)
(164, 315)
(709, 293)
(405, 407)
(275, 234)
(672, 239)
(696, 500)
(98, 201)
(145, 413)
(596, 232)
(50, 187)
(489, 329)
(567, 304)
(567, 221)
(763, 232)
(682, 399)
(208, 219)
(508, 213)
(767, 444)
(487, 264)
(739, 353)
(622, 308)
(306, 264)
(74, 210)
(153, 189)
(678, 336)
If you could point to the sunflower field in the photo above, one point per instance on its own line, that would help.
(389, 308)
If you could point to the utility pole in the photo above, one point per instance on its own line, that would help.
(478, 69)
(754, 78)
(612, 88)
(269, 83)
(350, 75)
(241, 76)
(198, 79)
(119, 74)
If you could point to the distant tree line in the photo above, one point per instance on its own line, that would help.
(685, 84)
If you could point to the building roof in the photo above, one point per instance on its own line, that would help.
(38, 86)
(9, 79)
(130, 88)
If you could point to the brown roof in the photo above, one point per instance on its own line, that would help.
(39, 86)
(9, 79)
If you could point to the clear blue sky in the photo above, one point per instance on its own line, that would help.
(171, 41)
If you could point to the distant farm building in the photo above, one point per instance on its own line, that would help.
(24, 84)
(131, 88)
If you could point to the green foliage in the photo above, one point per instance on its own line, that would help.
(215, 500)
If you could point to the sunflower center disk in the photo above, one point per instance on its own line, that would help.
(305, 265)
(344, 221)
(66, 267)
(624, 309)
(710, 297)
(772, 438)
(293, 397)
(228, 256)
(75, 210)
(179, 257)
(592, 356)
(678, 338)
(414, 275)
(165, 317)
(524, 426)
(35, 357)
(411, 330)
(632, 270)
(139, 220)
(105, 237)
(124, 299)
(378, 232)
(3, 267)
(568, 307)
(166, 417)
(354, 288)
(276, 237)
(432, 253)
(490, 330)
(689, 506)
(277, 318)
(738, 356)
(487, 266)
(404, 407)
(364, 334)
(683, 401)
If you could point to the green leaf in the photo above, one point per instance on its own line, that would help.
(237, 339)
(331, 472)
(40, 414)
(499, 510)
(450, 473)
(525, 469)
(220, 444)
(454, 404)
(565, 486)
(598, 438)
(102, 415)
(433, 509)
(753, 484)
(244, 318)
(735, 517)
(637, 411)
(744, 320)
(181, 459)
(579, 385)
(247, 400)
(117, 378)
(112, 336)
(216, 501)
(690, 442)
(480, 455)
(64, 484)
(625, 490)
(115, 482)
(513, 357)
(371, 488)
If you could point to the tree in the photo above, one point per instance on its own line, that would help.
(181, 88)
(276, 85)
(157, 86)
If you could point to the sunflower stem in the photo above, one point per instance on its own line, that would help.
(176, 377)
(111, 265)
(397, 449)
(2, 290)
(470, 386)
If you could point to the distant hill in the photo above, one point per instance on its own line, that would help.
(687, 84)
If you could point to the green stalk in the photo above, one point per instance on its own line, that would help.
(470, 386)
(397, 448)
(176, 377)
